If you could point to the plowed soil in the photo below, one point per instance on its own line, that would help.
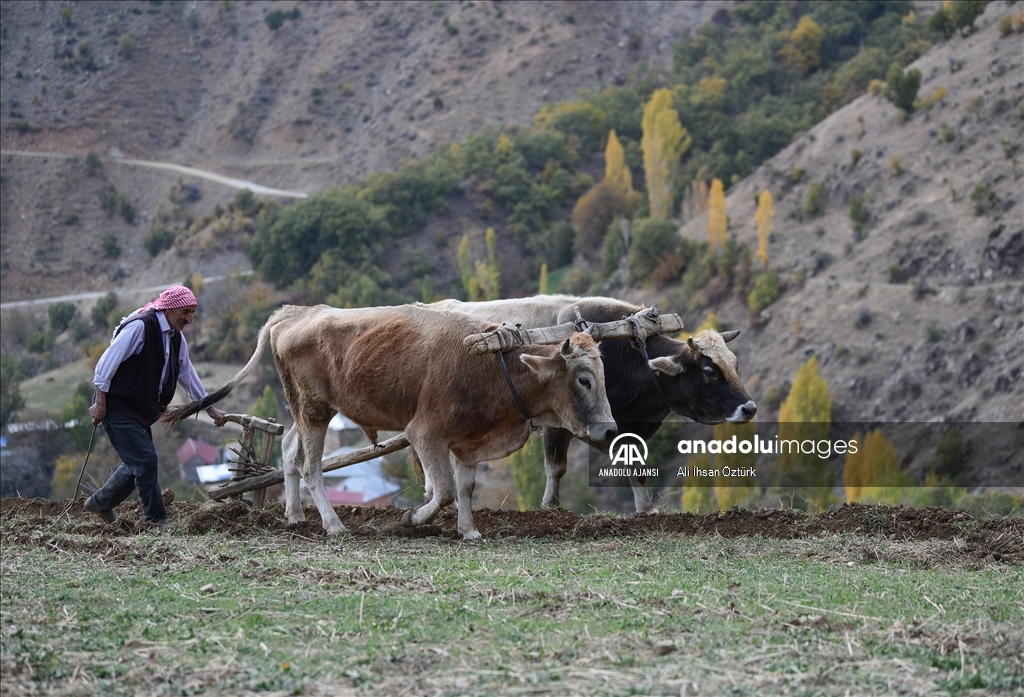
(994, 539)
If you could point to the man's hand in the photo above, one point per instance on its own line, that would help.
(217, 415)
(98, 410)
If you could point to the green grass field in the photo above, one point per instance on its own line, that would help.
(89, 613)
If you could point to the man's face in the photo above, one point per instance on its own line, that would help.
(180, 316)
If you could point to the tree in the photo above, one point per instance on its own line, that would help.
(11, 399)
(699, 492)
(962, 14)
(61, 315)
(481, 279)
(802, 51)
(651, 240)
(595, 211)
(873, 472)
(542, 286)
(616, 172)
(716, 216)
(901, 89)
(764, 218)
(664, 142)
(806, 415)
(734, 491)
(528, 473)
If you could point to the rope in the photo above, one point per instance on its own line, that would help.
(512, 388)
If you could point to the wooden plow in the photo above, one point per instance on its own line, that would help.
(256, 473)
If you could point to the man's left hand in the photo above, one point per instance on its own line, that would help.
(219, 417)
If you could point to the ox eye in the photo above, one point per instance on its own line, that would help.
(585, 382)
(709, 371)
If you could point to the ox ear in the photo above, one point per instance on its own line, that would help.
(666, 364)
(729, 336)
(543, 367)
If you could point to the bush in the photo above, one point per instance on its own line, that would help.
(855, 156)
(896, 165)
(275, 18)
(984, 198)
(111, 249)
(814, 202)
(577, 281)
(127, 45)
(651, 240)
(858, 213)
(61, 315)
(102, 309)
(613, 248)
(594, 212)
(158, 239)
(901, 88)
(93, 163)
(766, 291)
(581, 119)
(40, 342)
(127, 210)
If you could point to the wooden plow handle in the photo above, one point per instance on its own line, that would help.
(647, 322)
(247, 421)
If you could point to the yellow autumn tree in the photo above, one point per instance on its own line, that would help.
(615, 170)
(664, 142)
(699, 492)
(806, 415)
(802, 50)
(734, 491)
(873, 473)
(542, 287)
(716, 216)
(764, 218)
(488, 278)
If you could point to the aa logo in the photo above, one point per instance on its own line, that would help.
(626, 450)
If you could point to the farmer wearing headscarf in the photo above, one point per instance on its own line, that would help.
(135, 381)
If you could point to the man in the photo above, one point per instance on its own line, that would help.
(135, 381)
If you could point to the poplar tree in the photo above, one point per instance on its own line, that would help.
(542, 287)
(735, 491)
(873, 472)
(716, 216)
(664, 142)
(807, 415)
(615, 170)
(527, 465)
(802, 51)
(764, 218)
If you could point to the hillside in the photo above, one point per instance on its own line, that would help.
(344, 90)
(920, 316)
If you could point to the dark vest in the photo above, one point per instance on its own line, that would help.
(135, 389)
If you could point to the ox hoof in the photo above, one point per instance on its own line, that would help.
(653, 510)
(295, 519)
(338, 529)
(471, 535)
(407, 518)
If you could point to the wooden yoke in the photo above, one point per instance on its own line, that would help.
(647, 322)
(249, 465)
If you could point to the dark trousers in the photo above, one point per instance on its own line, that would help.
(134, 445)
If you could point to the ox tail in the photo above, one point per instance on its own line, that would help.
(415, 466)
(173, 416)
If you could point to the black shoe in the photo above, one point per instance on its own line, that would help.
(106, 515)
(162, 524)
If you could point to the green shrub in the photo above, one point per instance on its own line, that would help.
(858, 213)
(651, 240)
(127, 45)
(102, 309)
(946, 134)
(901, 88)
(61, 315)
(814, 202)
(984, 198)
(127, 210)
(93, 163)
(613, 248)
(158, 239)
(111, 249)
(766, 291)
(855, 156)
(40, 342)
(577, 281)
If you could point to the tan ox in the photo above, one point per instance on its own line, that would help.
(405, 368)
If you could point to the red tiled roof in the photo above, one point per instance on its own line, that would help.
(192, 448)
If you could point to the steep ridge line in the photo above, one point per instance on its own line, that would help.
(93, 295)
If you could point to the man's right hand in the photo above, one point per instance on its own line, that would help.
(98, 410)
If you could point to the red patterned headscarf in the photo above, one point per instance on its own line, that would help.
(172, 298)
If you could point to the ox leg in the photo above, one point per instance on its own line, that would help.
(438, 473)
(641, 499)
(313, 444)
(465, 482)
(292, 456)
(556, 455)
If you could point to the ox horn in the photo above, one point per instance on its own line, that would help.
(566, 348)
(692, 345)
(729, 336)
